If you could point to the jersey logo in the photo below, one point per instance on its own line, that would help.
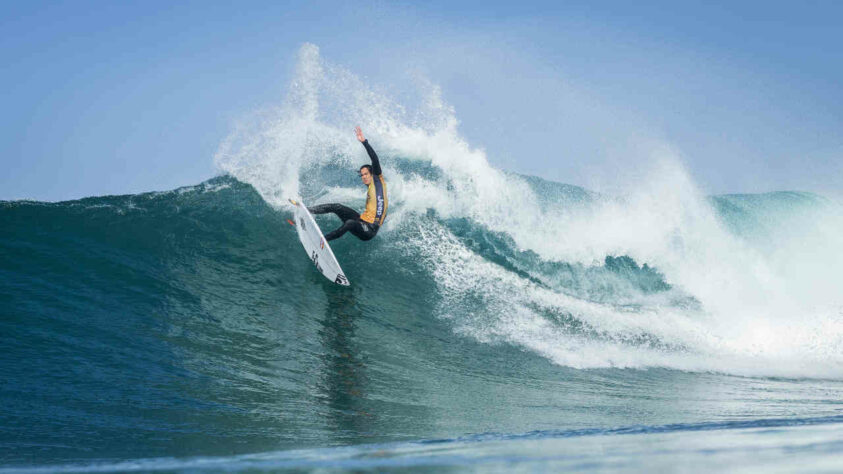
(379, 201)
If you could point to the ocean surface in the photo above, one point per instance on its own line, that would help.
(188, 330)
(498, 322)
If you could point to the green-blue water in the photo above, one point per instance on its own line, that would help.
(187, 330)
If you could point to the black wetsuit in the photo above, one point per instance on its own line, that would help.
(351, 222)
(363, 226)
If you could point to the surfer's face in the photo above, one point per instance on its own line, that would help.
(365, 176)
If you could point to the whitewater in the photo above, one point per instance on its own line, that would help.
(498, 322)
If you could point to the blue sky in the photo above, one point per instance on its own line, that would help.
(112, 98)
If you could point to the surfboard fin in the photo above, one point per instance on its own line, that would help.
(291, 222)
(293, 202)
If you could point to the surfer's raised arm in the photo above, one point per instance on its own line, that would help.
(363, 226)
(376, 165)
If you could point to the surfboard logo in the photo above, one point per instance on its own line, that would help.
(341, 279)
(322, 244)
(315, 258)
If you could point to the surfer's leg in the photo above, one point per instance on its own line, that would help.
(358, 229)
(343, 212)
(363, 231)
(341, 230)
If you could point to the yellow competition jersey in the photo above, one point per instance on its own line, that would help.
(376, 202)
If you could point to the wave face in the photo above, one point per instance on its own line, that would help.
(190, 322)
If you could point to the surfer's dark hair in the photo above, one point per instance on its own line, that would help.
(368, 167)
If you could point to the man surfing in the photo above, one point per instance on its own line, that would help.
(363, 226)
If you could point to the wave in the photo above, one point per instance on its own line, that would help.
(690, 309)
(657, 275)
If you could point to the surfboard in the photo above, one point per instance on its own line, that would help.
(316, 246)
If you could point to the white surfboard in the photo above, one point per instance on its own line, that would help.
(316, 246)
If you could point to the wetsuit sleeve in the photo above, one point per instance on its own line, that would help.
(376, 165)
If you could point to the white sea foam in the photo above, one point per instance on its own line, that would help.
(764, 309)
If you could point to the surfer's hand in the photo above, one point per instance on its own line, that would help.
(359, 134)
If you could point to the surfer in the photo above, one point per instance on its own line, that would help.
(363, 226)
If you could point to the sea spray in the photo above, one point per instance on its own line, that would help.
(728, 301)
